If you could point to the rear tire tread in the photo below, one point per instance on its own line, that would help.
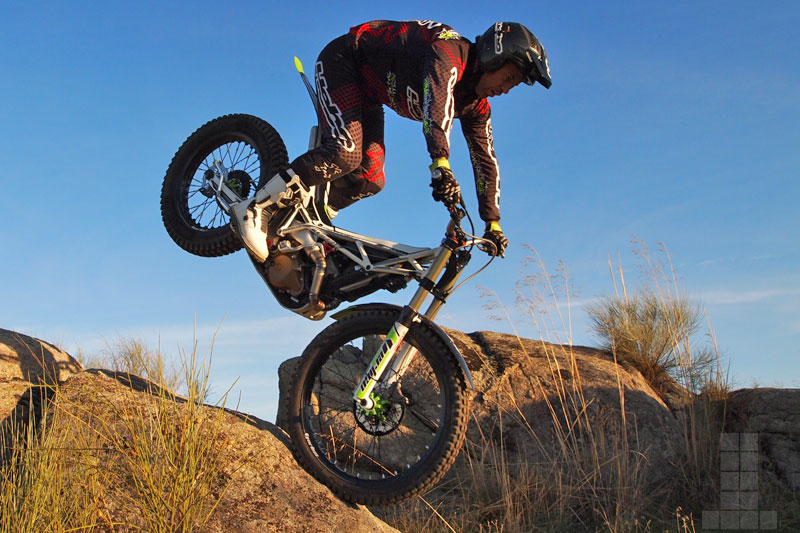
(222, 240)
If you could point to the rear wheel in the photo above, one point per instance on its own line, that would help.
(410, 437)
(249, 148)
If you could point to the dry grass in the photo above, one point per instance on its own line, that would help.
(132, 355)
(152, 466)
(38, 490)
(591, 474)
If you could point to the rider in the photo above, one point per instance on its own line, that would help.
(425, 71)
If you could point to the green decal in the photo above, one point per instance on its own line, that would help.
(379, 362)
(426, 105)
(448, 34)
(391, 86)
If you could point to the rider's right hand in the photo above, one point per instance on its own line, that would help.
(445, 187)
(495, 235)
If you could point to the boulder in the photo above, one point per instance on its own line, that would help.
(260, 486)
(95, 422)
(26, 362)
(536, 397)
(528, 393)
(772, 416)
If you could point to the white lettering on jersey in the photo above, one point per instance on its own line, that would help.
(412, 102)
(430, 24)
(450, 104)
(490, 145)
(332, 112)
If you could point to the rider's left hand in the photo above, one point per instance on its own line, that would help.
(445, 187)
(495, 234)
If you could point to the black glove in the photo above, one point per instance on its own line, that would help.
(445, 187)
(495, 234)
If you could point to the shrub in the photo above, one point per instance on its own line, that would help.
(653, 333)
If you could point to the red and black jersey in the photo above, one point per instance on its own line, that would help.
(425, 71)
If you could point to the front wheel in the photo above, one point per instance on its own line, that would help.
(250, 149)
(400, 447)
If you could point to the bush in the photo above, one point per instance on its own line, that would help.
(653, 333)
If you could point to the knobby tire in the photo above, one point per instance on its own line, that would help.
(253, 152)
(367, 460)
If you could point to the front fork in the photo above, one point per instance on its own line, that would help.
(394, 355)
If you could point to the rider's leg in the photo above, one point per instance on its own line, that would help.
(368, 179)
(339, 154)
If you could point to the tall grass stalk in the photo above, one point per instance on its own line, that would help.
(590, 473)
(654, 328)
(586, 474)
(133, 356)
(40, 490)
(121, 461)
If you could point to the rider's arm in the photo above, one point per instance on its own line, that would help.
(443, 67)
(477, 128)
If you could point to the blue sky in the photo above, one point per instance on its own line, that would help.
(674, 122)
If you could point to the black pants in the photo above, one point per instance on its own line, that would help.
(352, 152)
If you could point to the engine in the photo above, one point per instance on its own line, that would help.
(313, 280)
(285, 273)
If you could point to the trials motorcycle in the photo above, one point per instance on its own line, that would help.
(379, 403)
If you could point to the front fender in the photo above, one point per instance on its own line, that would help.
(425, 322)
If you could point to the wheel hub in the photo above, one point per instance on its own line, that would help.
(238, 181)
(384, 417)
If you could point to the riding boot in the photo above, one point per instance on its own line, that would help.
(250, 217)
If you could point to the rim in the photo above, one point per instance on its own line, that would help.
(243, 162)
(379, 444)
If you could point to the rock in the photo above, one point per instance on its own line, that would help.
(529, 393)
(26, 362)
(264, 488)
(522, 385)
(96, 418)
(773, 416)
(285, 373)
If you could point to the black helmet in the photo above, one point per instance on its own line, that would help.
(510, 41)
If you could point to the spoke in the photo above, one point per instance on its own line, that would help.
(402, 440)
(427, 422)
(219, 219)
(249, 165)
(233, 153)
(348, 429)
(193, 193)
(219, 154)
(244, 155)
(204, 206)
(336, 414)
(373, 444)
(346, 407)
(348, 379)
(227, 155)
(201, 205)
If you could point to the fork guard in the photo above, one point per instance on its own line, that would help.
(426, 323)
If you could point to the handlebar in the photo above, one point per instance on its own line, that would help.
(458, 210)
